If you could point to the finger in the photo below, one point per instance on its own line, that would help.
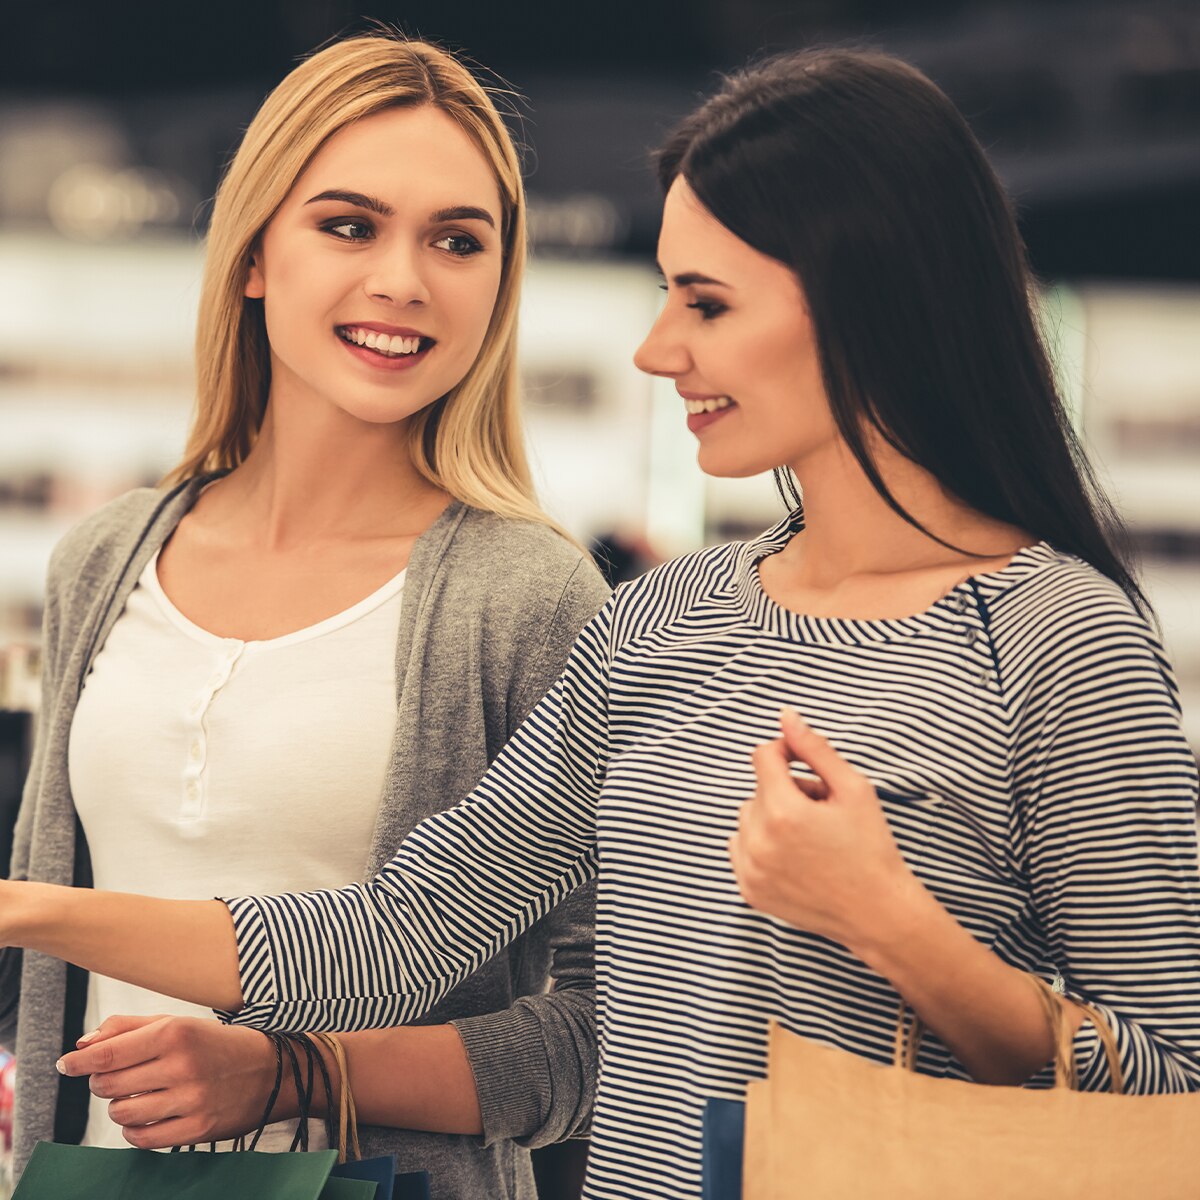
(159, 1135)
(115, 1053)
(814, 789)
(805, 744)
(111, 1026)
(772, 765)
(147, 1107)
(148, 1077)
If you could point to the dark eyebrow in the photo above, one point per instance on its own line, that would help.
(462, 212)
(355, 198)
(689, 278)
(457, 212)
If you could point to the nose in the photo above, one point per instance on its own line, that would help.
(662, 353)
(395, 274)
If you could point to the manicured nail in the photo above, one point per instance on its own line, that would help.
(87, 1037)
(61, 1066)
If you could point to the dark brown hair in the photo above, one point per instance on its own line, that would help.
(857, 172)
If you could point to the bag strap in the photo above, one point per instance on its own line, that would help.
(1066, 1071)
(347, 1111)
(1066, 1074)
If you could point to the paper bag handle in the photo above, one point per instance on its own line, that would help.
(347, 1111)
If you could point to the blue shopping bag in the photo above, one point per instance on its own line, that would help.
(412, 1185)
(724, 1130)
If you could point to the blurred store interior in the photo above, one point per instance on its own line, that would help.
(115, 119)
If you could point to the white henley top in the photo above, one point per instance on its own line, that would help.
(202, 765)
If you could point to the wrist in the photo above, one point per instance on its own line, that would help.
(904, 914)
(287, 1104)
(24, 911)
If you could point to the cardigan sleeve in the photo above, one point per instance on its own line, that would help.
(463, 884)
(534, 1063)
(12, 957)
(1106, 788)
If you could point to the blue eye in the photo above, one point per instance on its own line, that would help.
(349, 231)
(462, 245)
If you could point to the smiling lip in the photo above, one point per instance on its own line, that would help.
(385, 362)
(696, 421)
(699, 421)
(391, 330)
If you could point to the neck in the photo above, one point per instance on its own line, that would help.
(851, 531)
(311, 479)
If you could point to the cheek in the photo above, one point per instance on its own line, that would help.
(470, 301)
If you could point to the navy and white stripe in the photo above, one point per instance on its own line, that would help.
(1023, 735)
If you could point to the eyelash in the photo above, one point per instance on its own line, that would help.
(473, 245)
(708, 309)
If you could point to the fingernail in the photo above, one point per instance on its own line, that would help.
(794, 715)
(87, 1037)
(61, 1066)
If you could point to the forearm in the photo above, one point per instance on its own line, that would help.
(179, 948)
(983, 1010)
(410, 1077)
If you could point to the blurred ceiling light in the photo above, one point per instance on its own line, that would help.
(95, 203)
(586, 221)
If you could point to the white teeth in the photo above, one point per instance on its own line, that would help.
(382, 343)
(707, 406)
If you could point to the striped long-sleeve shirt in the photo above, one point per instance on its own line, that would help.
(1023, 735)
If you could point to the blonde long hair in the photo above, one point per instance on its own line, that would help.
(470, 442)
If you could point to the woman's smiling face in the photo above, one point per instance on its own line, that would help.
(736, 338)
(379, 272)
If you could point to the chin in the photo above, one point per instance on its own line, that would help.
(729, 466)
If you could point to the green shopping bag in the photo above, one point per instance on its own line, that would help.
(97, 1173)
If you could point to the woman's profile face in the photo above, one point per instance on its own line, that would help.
(379, 272)
(736, 338)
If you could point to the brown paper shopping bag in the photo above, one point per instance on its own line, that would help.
(829, 1125)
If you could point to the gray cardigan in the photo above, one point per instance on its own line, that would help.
(490, 609)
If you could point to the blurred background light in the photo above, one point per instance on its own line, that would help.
(115, 121)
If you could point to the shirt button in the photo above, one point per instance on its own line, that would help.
(194, 751)
(193, 790)
(970, 637)
(958, 603)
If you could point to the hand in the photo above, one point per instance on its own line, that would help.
(818, 853)
(177, 1081)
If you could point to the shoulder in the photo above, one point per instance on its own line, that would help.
(702, 585)
(1066, 623)
(104, 538)
(521, 567)
(1062, 599)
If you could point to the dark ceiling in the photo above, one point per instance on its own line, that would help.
(1090, 111)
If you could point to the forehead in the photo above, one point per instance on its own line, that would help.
(692, 239)
(421, 153)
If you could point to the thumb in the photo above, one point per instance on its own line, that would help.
(817, 753)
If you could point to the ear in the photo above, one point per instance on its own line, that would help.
(256, 285)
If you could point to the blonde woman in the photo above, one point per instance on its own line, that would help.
(327, 622)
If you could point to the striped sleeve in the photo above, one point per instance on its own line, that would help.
(1106, 788)
(463, 884)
